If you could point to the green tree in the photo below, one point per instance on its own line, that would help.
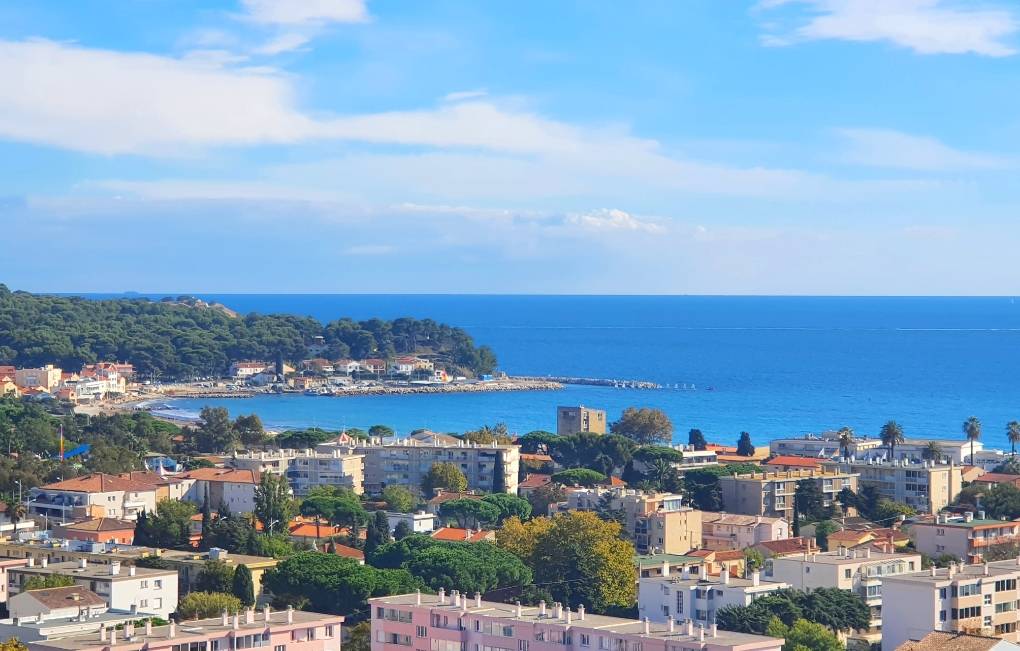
(235, 533)
(215, 576)
(399, 499)
(470, 512)
(579, 477)
(1013, 434)
(744, 446)
(887, 510)
(696, 439)
(804, 636)
(402, 530)
(810, 500)
(203, 605)
(249, 430)
(544, 496)
(381, 431)
(754, 560)
(243, 586)
(644, 425)
(1002, 501)
(891, 435)
(444, 475)
(215, 431)
(932, 451)
(972, 430)
(578, 556)
(361, 637)
(822, 531)
(509, 506)
(334, 584)
(169, 526)
(274, 507)
(48, 581)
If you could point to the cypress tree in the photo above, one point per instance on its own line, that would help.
(382, 527)
(243, 586)
(206, 522)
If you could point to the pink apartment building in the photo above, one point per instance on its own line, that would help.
(418, 622)
(283, 630)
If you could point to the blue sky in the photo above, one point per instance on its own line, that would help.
(762, 147)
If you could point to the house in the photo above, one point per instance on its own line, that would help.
(531, 482)
(98, 530)
(51, 603)
(420, 522)
(7, 385)
(787, 547)
(884, 539)
(787, 462)
(346, 366)
(968, 538)
(456, 534)
(46, 378)
(699, 596)
(937, 640)
(229, 487)
(990, 479)
(737, 531)
(345, 551)
(318, 365)
(93, 496)
(143, 589)
(453, 622)
(282, 629)
(248, 369)
(373, 366)
(720, 561)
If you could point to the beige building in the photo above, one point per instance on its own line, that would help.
(861, 572)
(967, 538)
(926, 486)
(571, 420)
(656, 522)
(47, 377)
(771, 493)
(979, 599)
(722, 531)
(93, 496)
(307, 469)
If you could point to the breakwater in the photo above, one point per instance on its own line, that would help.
(593, 382)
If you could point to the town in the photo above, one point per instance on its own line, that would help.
(598, 533)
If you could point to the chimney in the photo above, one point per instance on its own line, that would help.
(518, 610)
(648, 626)
(31, 561)
(690, 627)
(148, 627)
(968, 516)
(715, 630)
(265, 613)
(985, 568)
(671, 624)
(456, 597)
(129, 630)
(442, 596)
(102, 632)
(541, 608)
(665, 568)
(114, 568)
(237, 621)
(933, 568)
(580, 609)
(756, 578)
(83, 563)
(173, 629)
(724, 574)
(224, 618)
(478, 599)
(570, 615)
(44, 561)
(701, 632)
(249, 615)
(558, 609)
(417, 597)
(290, 614)
(132, 570)
(981, 515)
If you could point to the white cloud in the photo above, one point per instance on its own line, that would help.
(305, 12)
(925, 26)
(894, 149)
(464, 95)
(285, 42)
(612, 219)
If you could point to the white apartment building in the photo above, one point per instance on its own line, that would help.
(826, 446)
(420, 522)
(228, 487)
(307, 469)
(696, 595)
(144, 590)
(861, 572)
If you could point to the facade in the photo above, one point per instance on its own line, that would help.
(46, 378)
(967, 538)
(926, 486)
(287, 630)
(245, 370)
(307, 469)
(655, 522)
(141, 589)
(406, 462)
(571, 420)
(454, 623)
(229, 487)
(53, 603)
(420, 522)
(826, 446)
(93, 496)
(653, 565)
(771, 493)
(860, 572)
(735, 531)
(977, 599)
(696, 595)
(101, 530)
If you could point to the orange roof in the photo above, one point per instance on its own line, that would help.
(101, 524)
(715, 447)
(534, 480)
(535, 457)
(232, 475)
(456, 534)
(734, 458)
(615, 481)
(786, 546)
(789, 460)
(344, 550)
(100, 483)
(311, 530)
(997, 478)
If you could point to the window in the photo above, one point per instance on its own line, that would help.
(966, 613)
(1005, 584)
(280, 647)
(988, 600)
(194, 646)
(419, 631)
(522, 645)
(1005, 607)
(330, 631)
(942, 615)
(847, 573)
(942, 593)
(143, 603)
(158, 583)
(585, 639)
(969, 589)
(144, 584)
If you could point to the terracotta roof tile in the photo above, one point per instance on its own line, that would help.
(455, 534)
(67, 597)
(231, 475)
(938, 640)
(789, 460)
(100, 483)
(101, 524)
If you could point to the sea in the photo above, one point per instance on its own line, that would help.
(771, 366)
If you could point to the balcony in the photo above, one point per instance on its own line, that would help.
(986, 541)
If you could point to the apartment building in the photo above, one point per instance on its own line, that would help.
(93, 496)
(455, 623)
(771, 493)
(861, 572)
(979, 599)
(46, 378)
(55, 603)
(698, 596)
(652, 565)
(720, 531)
(926, 486)
(141, 589)
(418, 522)
(826, 446)
(655, 522)
(571, 420)
(223, 487)
(288, 630)
(406, 462)
(307, 469)
(967, 538)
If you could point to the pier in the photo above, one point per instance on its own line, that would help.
(595, 382)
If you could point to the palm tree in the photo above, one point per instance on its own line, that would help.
(15, 512)
(1013, 434)
(891, 434)
(972, 428)
(932, 451)
(660, 471)
(846, 439)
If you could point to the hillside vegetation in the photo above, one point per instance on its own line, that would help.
(176, 339)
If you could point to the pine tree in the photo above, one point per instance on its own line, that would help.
(382, 527)
(143, 535)
(243, 586)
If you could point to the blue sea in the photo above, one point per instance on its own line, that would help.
(773, 366)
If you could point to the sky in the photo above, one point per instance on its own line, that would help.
(589, 146)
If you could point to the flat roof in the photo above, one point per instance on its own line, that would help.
(652, 560)
(91, 571)
(973, 571)
(834, 558)
(605, 623)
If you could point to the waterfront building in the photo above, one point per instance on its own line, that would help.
(859, 572)
(248, 369)
(46, 378)
(141, 589)
(967, 538)
(697, 595)
(459, 623)
(307, 469)
(926, 486)
(975, 599)
(771, 493)
(736, 531)
(281, 630)
(826, 446)
(571, 420)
